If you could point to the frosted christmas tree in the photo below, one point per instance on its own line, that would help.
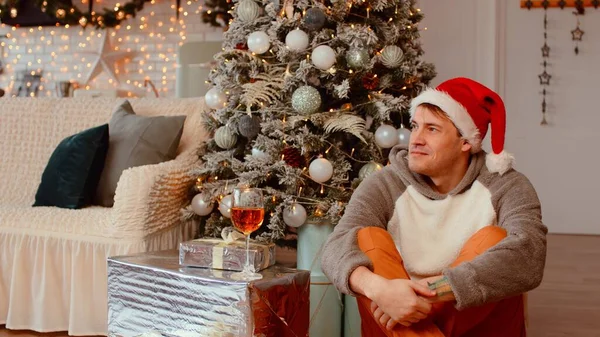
(307, 98)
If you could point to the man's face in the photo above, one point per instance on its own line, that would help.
(435, 144)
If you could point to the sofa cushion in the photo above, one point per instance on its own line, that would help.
(135, 141)
(71, 176)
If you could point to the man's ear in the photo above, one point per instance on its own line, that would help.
(466, 146)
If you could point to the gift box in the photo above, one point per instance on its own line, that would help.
(150, 294)
(220, 254)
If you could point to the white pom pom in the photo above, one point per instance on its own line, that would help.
(499, 163)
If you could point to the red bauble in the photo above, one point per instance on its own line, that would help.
(241, 46)
(370, 81)
(293, 157)
(252, 80)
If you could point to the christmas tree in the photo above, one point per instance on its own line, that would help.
(307, 98)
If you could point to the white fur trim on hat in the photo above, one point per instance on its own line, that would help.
(456, 111)
(499, 163)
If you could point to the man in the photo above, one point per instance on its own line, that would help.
(445, 240)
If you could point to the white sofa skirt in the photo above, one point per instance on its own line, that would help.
(58, 282)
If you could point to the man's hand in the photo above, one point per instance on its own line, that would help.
(441, 286)
(399, 301)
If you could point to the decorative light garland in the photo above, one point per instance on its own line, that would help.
(71, 15)
(167, 30)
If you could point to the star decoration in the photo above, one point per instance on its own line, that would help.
(105, 61)
(577, 34)
(545, 78)
(545, 50)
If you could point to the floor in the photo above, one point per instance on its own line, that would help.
(567, 303)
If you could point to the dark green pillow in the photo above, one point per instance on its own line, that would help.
(136, 141)
(71, 176)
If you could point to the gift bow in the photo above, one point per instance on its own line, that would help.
(230, 235)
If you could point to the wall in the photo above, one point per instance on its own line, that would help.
(561, 158)
(65, 54)
(498, 43)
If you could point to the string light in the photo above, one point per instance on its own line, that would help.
(172, 30)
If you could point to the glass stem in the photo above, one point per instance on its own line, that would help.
(247, 253)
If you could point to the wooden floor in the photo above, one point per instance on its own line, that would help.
(567, 303)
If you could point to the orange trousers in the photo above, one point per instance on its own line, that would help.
(505, 318)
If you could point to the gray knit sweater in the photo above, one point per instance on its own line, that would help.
(430, 228)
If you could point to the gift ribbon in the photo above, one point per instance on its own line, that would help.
(231, 238)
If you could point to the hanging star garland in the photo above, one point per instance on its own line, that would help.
(545, 50)
(105, 60)
(577, 34)
(545, 78)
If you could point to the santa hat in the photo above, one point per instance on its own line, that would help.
(472, 106)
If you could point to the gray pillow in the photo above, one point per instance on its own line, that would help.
(135, 141)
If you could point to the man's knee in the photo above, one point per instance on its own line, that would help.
(370, 238)
(487, 237)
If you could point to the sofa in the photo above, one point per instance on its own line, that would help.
(53, 273)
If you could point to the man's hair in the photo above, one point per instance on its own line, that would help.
(436, 111)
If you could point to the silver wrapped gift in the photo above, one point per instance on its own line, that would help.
(220, 254)
(150, 294)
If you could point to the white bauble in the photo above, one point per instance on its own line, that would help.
(202, 205)
(215, 98)
(369, 168)
(225, 206)
(225, 138)
(392, 56)
(248, 10)
(403, 136)
(294, 215)
(386, 136)
(257, 153)
(323, 57)
(320, 170)
(296, 40)
(258, 42)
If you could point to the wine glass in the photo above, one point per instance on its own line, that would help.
(247, 214)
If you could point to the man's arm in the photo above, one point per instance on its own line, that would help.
(372, 204)
(516, 264)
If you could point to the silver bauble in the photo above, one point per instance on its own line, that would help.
(215, 98)
(225, 138)
(403, 136)
(248, 10)
(314, 19)
(306, 100)
(225, 206)
(202, 204)
(392, 56)
(249, 126)
(357, 58)
(294, 215)
(386, 136)
(369, 168)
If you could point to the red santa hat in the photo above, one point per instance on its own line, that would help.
(472, 106)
